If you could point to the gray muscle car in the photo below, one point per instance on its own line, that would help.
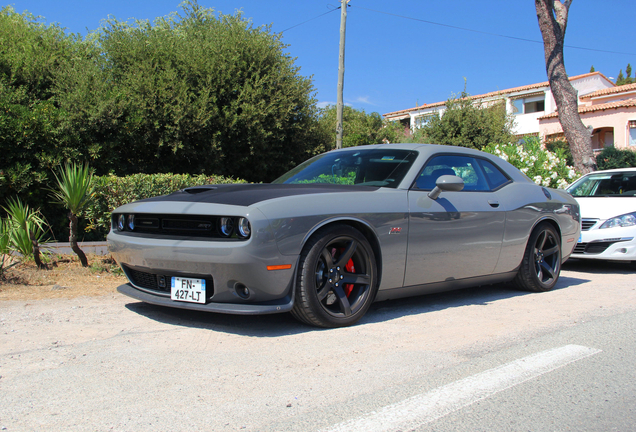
(344, 229)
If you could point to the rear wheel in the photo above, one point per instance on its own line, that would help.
(541, 263)
(337, 278)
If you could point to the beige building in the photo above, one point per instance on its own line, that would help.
(610, 114)
(608, 110)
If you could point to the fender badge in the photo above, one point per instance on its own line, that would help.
(395, 230)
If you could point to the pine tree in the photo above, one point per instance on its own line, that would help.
(592, 69)
(620, 80)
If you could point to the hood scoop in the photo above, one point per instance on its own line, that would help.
(199, 189)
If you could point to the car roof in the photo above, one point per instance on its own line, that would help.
(415, 146)
(614, 170)
(427, 150)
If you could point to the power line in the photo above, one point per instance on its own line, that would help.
(487, 33)
(310, 19)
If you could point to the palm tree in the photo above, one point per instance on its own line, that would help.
(74, 191)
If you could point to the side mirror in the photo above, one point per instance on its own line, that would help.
(448, 183)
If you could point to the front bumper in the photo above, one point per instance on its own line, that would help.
(284, 305)
(227, 266)
(607, 244)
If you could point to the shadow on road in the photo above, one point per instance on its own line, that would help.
(277, 325)
(391, 309)
(600, 267)
(247, 325)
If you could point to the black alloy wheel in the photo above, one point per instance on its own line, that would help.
(541, 263)
(337, 278)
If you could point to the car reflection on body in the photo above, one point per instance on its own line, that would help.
(344, 229)
(608, 211)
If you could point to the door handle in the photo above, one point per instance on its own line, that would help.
(493, 203)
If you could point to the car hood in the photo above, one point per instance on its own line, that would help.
(246, 194)
(605, 207)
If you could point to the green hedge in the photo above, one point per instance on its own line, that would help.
(610, 158)
(112, 192)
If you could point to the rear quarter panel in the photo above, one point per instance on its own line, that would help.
(526, 206)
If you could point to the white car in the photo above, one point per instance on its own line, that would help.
(608, 211)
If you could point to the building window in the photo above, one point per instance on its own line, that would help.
(528, 105)
(422, 120)
(632, 133)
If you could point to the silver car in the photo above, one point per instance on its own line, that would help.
(344, 229)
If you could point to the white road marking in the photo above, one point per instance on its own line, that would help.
(425, 408)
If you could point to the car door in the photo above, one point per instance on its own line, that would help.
(459, 234)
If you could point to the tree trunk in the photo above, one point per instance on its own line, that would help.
(553, 19)
(36, 252)
(73, 239)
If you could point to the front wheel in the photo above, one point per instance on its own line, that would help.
(337, 279)
(541, 263)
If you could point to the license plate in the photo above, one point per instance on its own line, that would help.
(188, 290)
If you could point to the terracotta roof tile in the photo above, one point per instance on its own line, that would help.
(610, 91)
(600, 107)
(495, 93)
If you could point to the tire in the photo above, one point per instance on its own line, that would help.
(337, 278)
(541, 265)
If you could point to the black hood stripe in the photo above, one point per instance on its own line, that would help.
(248, 194)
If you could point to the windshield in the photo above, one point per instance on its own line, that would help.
(377, 167)
(605, 184)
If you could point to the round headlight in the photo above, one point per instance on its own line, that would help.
(244, 228)
(226, 226)
(131, 222)
(121, 221)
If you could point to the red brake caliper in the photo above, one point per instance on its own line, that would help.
(351, 269)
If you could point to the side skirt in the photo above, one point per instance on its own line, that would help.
(449, 285)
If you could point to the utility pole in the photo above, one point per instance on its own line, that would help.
(341, 69)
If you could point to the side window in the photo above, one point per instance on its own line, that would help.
(495, 177)
(462, 166)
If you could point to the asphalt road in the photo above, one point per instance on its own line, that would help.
(483, 359)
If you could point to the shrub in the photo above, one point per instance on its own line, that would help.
(4, 243)
(561, 144)
(25, 229)
(542, 166)
(612, 157)
(112, 192)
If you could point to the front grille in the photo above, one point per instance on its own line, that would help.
(593, 248)
(143, 279)
(597, 247)
(587, 224)
(203, 226)
(160, 282)
(176, 225)
(579, 248)
(191, 227)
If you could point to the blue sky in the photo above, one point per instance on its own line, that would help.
(393, 62)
